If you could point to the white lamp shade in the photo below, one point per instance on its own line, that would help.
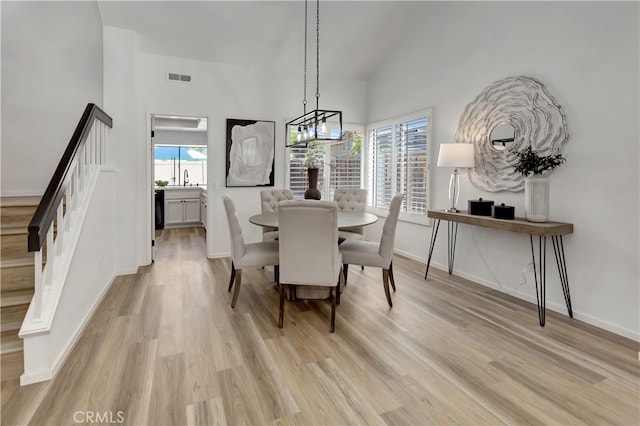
(456, 155)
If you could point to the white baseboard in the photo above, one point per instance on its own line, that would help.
(559, 308)
(219, 255)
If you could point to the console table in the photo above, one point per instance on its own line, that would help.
(555, 230)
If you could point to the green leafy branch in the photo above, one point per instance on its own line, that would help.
(530, 162)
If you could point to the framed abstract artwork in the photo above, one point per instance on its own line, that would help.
(250, 152)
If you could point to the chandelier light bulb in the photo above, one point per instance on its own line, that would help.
(323, 127)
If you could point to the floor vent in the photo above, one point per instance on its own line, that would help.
(172, 76)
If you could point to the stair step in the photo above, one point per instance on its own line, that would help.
(17, 275)
(17, 262)
(16, 215)
(12, 317)
(14, 245)
(10, 342)
(14, 230)
(18, 297)
(12, 365)
(28, 200)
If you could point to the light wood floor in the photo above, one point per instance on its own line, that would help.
(165, 347)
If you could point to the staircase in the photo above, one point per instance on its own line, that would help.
(17, 274)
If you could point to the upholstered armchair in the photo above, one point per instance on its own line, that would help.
(351, 200)
(376, 254)
(269, 199)
(309, 254)
(252, 255)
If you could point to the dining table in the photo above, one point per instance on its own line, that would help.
(346, 220)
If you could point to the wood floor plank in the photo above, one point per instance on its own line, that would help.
(206, 413)
(169, 396)
(165, 347)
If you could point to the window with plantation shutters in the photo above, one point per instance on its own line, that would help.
(397, 162)
(380, 161)
(345, 163)
(340, 165)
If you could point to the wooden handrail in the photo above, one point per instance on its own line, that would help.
(46, 210)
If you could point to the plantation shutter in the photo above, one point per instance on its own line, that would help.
(380, 158)
(411, 164)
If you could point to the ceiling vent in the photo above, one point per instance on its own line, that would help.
(172, 76)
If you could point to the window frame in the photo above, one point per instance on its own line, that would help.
(416, 218)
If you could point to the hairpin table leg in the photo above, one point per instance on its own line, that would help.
(558, 249)
(434, 234)
(540, 275)
(452, 233)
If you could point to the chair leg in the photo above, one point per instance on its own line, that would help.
(236, 292)
(362, 267)
(345, 271)
(338, 289)
(232, 277)
(281, 316)
(385, 281)
(276, 273)
(333, 311)
(393, 281)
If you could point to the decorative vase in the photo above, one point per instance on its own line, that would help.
(312, 193)
(536, 198)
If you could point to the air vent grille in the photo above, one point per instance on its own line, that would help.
(172, 76)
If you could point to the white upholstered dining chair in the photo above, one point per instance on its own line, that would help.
(251, 255)
(269, 200)
(309, 254)
(380, 255)
(351, 200)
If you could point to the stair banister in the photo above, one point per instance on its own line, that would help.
(78, 166)
(44, 214)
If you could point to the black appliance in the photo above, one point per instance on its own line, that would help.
(159, 208)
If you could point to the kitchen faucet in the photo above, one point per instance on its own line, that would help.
(185, 181)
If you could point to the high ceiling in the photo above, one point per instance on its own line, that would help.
(355, 36)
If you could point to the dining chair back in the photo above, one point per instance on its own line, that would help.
(351, 200)
(243, 255)
(309, 254)
(368, 253)
(388, 238)
(269, 200)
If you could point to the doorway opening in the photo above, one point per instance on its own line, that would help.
(178, 174)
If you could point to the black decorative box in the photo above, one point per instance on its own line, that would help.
(503, 212)
(480, 207)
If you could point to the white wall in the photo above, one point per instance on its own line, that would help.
(587, 56)
(123, 152)
(90, 275)
(221, 91)
(51, 69)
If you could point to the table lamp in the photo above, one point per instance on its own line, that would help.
(455, 155)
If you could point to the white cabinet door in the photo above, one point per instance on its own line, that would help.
(174, 212)
(191, 210)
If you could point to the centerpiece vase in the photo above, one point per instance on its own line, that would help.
(536, 198)
(312, 193)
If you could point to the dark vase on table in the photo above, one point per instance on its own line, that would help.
(312, 193)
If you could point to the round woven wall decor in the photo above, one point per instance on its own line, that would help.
(537, 119)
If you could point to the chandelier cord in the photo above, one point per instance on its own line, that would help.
(317, 52)
(304, 100)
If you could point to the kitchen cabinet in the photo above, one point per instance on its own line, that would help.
(182, 207)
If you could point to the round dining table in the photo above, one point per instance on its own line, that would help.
(345, 219)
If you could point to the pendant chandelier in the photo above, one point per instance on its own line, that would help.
(319, 125)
